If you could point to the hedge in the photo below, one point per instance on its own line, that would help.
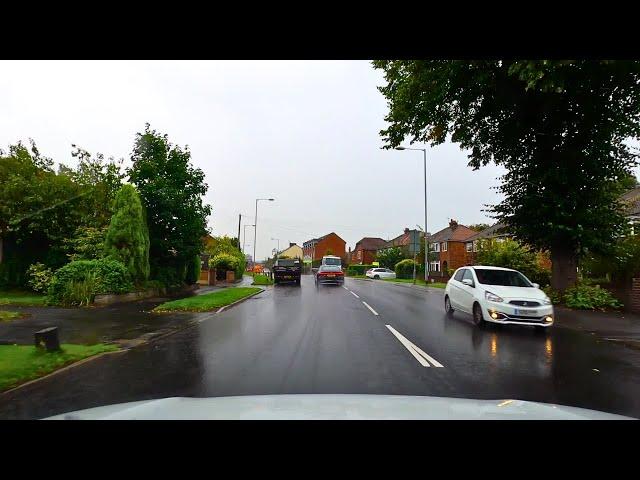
(404, 268)
(358, 269)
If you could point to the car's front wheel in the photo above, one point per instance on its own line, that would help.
(447, 306)
(478, 319)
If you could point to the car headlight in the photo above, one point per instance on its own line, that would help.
(492, 297)
(546, 301)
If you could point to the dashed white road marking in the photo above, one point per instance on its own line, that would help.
(354, 294)
(345, 288)
(369, 307)
(419, 355)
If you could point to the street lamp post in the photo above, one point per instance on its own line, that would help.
(255, 228)
(244, 236)
(426, 243)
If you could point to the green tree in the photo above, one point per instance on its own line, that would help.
(478, 227)
(389, 257)
(127, 239)
(38, 210)
(171, 190)
(560, 128)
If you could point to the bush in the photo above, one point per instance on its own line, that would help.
(358, 269)
(389, 257)
(554, 295)
(77, 283)
(590, 298)
(193, 271)
(225, 261)
(511, 254)
(39, 277)
(404, 268)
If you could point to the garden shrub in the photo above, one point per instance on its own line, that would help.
(226, 261)
(404, 268)
(589, 297)
(77, 283)
(39, 277)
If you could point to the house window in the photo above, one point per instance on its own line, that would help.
(435, 266)
(444, 246)
(435, 247)
(469, 246)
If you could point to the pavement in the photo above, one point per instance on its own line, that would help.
(363, 338)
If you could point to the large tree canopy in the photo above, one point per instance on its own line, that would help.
(171, 190)
(560, 128)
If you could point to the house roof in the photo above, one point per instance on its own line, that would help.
(493, 231)
(453, 233)
(370, 243)
(631, 201)
(402, 239)
(323, 237)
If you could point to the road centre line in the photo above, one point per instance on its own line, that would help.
(354, 294)
(419, 354)
(369, 307)
(346, 288)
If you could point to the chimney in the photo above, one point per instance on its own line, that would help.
(453, 224)
(291, 244)
(406, 231)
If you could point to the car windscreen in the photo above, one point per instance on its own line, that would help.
(330, 268)
(332, 261)
(287, 262)
(501, 277)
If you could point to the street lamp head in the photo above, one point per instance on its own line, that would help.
(271, 199)
(400, 148)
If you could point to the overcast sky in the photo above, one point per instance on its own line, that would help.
(305, 133)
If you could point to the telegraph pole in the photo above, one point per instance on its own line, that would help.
(239, 222)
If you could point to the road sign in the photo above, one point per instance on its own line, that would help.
(375, 264)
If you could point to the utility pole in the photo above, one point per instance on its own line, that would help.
(239, 222)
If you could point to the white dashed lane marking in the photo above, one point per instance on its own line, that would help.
(369, 307)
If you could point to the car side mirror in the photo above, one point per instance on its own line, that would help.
(468, 282)
(536, 285)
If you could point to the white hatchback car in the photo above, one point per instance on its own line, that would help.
(498, 295)
(380, 273)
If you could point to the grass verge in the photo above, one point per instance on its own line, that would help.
(20, 297)
(5, 315)
(357, 276)
(418, 282)
(21, 363)
(208, 301)
(259, 279)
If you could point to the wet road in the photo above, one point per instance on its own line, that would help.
(368, 337)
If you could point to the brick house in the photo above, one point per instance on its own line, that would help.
(408, 242)
(316, 248)
(365, 250)
(450, 246)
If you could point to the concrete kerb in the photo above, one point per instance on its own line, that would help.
(124, 349)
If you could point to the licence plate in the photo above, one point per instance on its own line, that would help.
(521, 311)
(331, 276)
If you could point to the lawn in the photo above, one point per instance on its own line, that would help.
(418, 282)
(19, 297)
(259, 279)
(5, 315)
(208, 301)
(20, 363)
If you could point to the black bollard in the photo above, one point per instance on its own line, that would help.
(47, 338)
